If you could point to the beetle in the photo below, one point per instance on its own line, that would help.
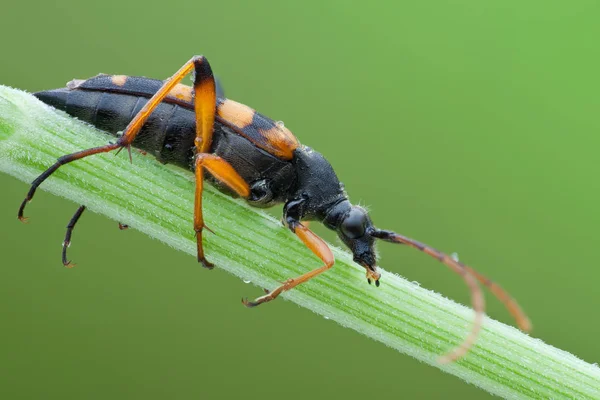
(245, 154)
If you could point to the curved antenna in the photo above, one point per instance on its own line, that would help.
(469, 275)
(510, 303)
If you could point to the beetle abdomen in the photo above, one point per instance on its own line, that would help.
(168, 133)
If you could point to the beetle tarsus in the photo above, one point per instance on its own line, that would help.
(258, 301)
(67, 241)
(22, 209)
(205, 263)
(249, 304)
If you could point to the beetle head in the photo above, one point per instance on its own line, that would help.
(355, 229)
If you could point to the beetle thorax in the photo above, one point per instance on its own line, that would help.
(317, 183)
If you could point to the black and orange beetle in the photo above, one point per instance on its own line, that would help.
(246, 154)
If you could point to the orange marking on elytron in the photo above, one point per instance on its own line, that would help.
(278, 140)
(182, 92)
(119, 80)
(235, 113)
(281, 140)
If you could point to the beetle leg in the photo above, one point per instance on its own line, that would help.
(67, 241)
(318, 247)
(205, 98)
(197, 63)
(224, 172)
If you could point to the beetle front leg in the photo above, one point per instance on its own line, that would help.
(317, 246)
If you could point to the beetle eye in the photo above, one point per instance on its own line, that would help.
(354, 224)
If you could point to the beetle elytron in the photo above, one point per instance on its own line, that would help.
(247, 154)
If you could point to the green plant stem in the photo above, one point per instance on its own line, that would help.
(158, 201)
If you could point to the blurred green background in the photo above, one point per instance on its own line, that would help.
(472, 126)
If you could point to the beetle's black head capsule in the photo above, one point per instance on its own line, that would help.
(355, 229)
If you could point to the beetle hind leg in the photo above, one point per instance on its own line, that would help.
(67, 242)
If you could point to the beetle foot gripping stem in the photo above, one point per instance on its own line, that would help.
(270, 296)
(200, 249)
(206, 264)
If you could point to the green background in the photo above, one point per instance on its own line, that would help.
(472, 126)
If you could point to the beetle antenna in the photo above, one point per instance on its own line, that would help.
(468, 274)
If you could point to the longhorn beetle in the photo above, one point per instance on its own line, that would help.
(246, 154)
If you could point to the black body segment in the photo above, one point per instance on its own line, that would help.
(312, 171)
(168, 134)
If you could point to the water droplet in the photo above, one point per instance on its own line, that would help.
(454, 256)
(246, 280)
(416, 283)
(280, 124)
(326, 317)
